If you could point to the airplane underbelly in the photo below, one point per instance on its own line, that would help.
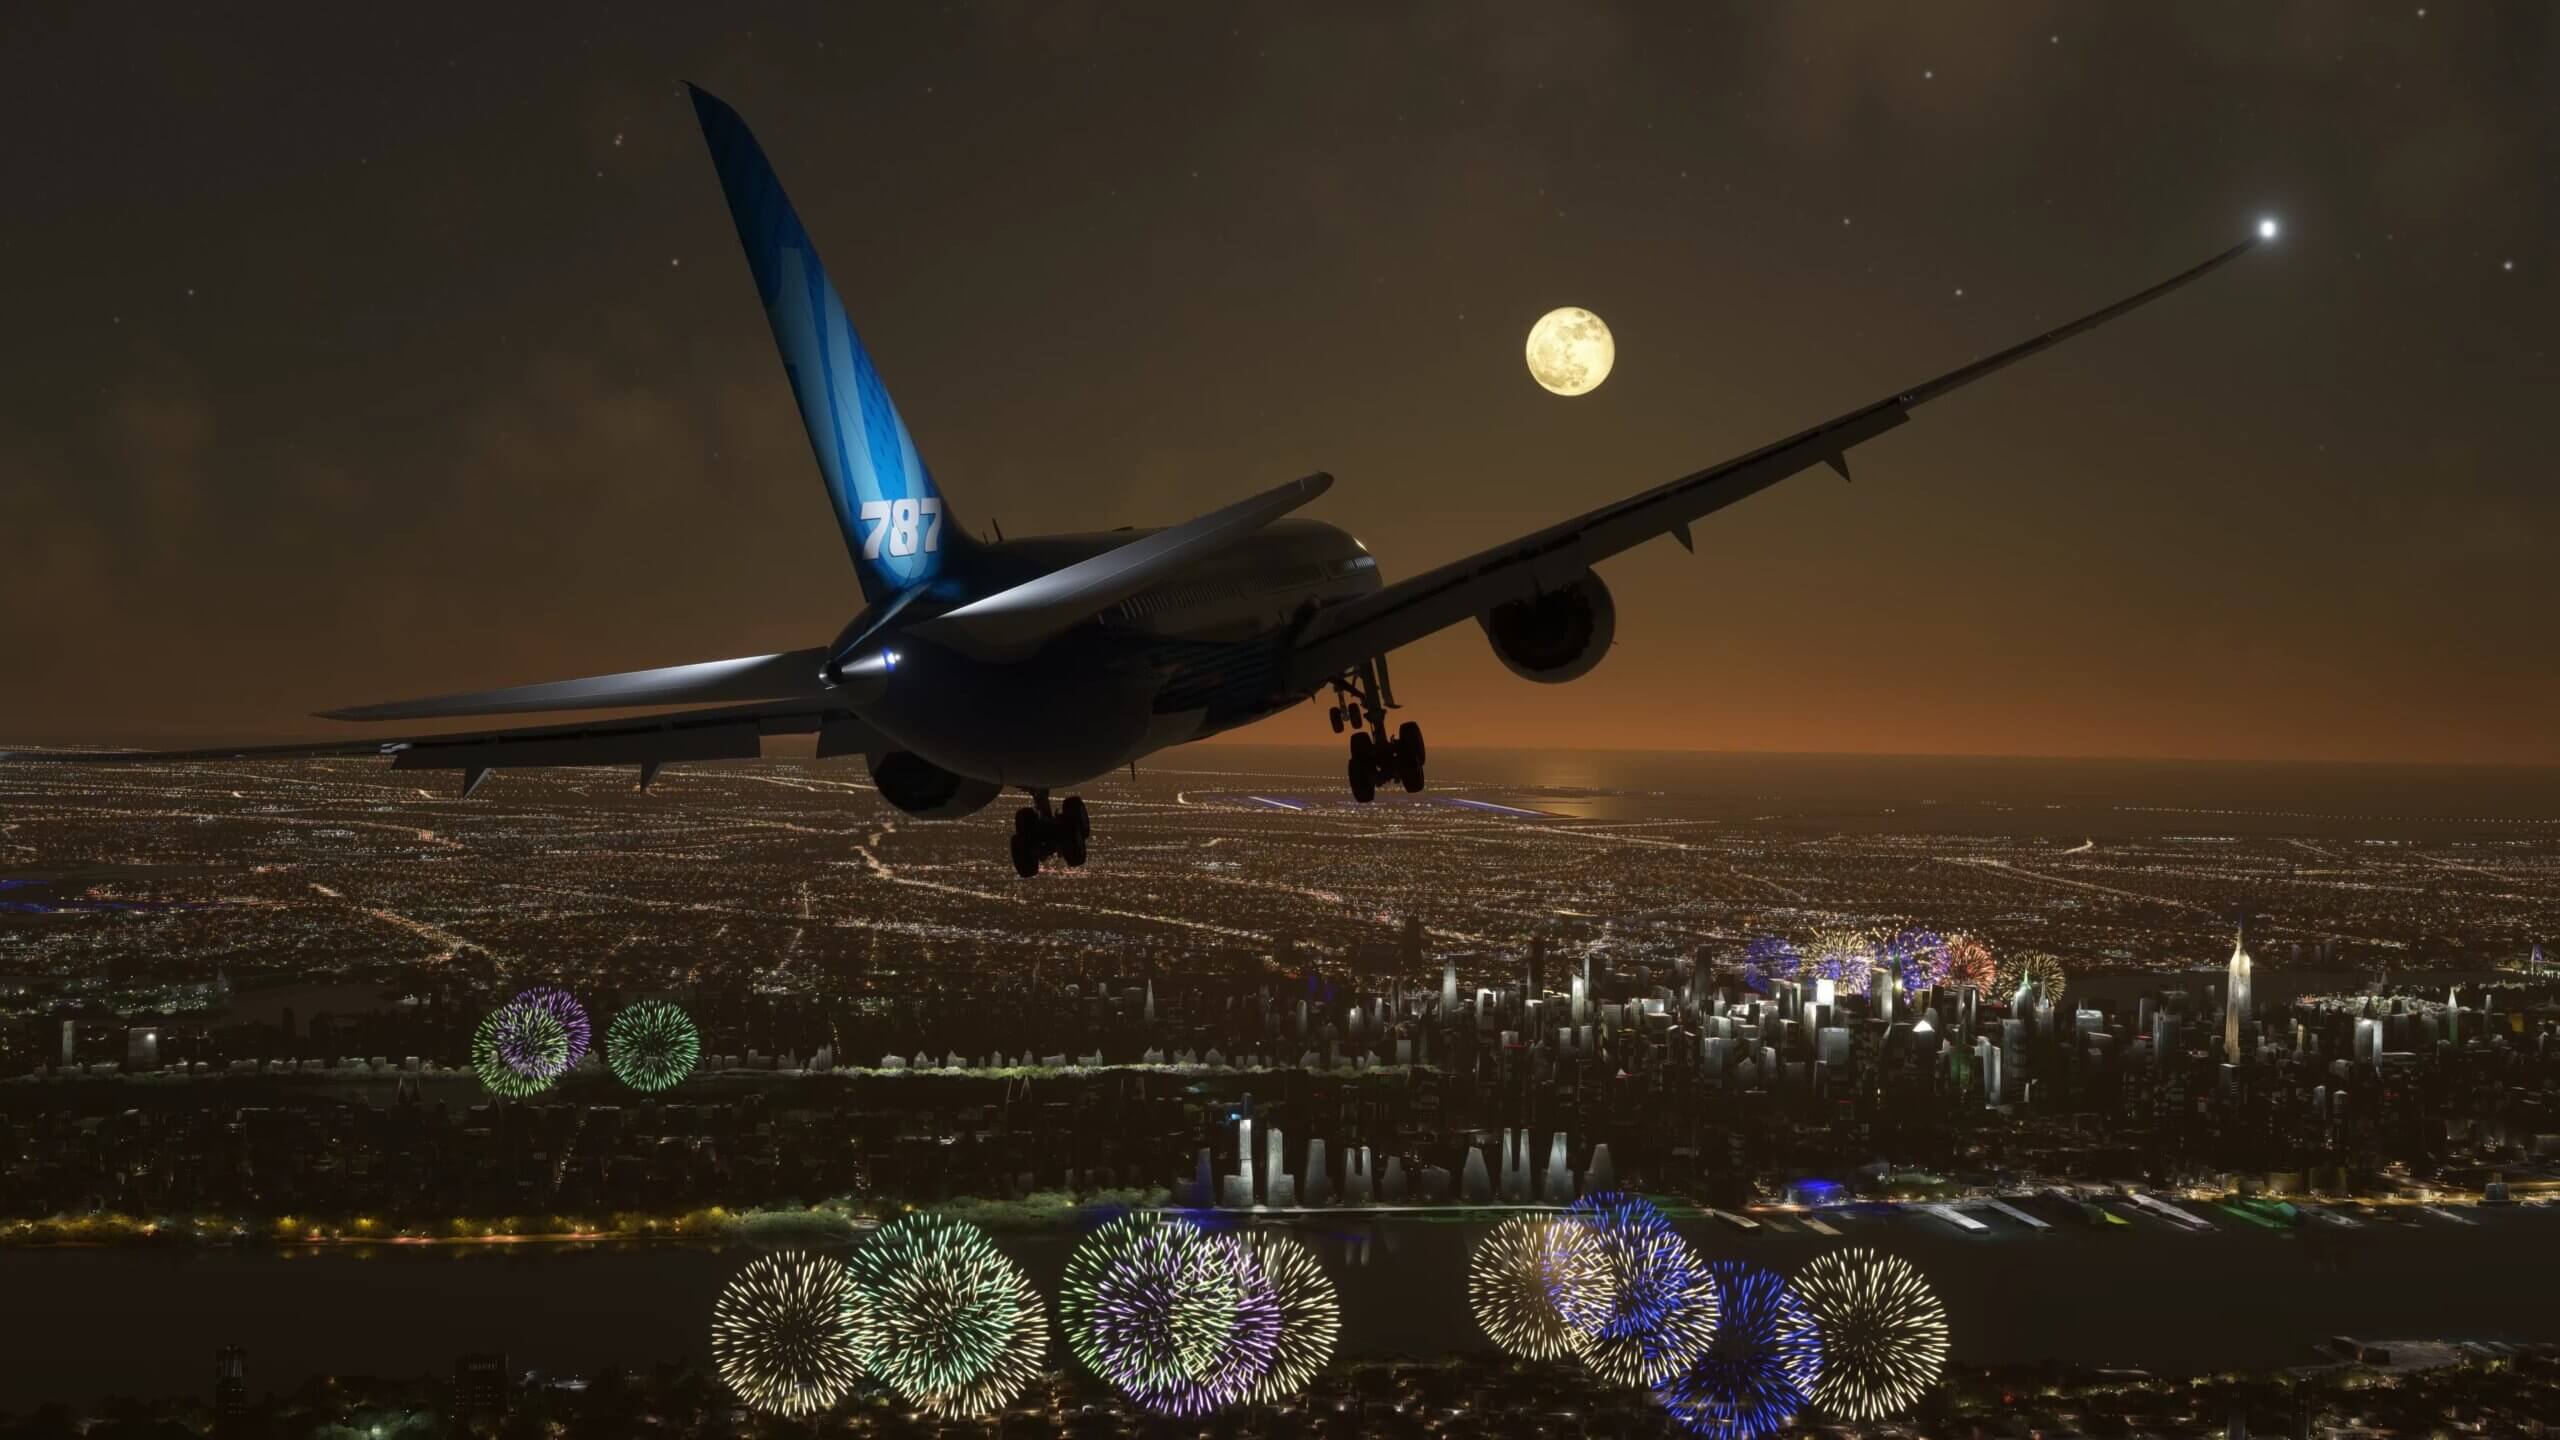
(1056, 719)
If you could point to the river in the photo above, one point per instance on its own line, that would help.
(101, 1323)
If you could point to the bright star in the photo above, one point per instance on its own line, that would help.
(2267, 228)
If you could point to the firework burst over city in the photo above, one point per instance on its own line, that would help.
(784, 1333)
(945, 1318)
(1647, 1305)
(1761, 1368)
(519, 1050)
(652, 1045)
(1883, 1332)
(1515, 1275)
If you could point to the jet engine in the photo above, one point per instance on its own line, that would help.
(1556, 635)
(924, 789)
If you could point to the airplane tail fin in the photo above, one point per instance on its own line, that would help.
(893, 520)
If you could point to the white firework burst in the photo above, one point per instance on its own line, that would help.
(1884, 1332)
(782, 1333)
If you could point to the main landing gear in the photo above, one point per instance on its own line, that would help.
(1361, 700)
(1038, 833)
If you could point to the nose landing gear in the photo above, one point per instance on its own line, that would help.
(1039, 833)
(1376, 756)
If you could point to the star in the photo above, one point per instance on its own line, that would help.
(1928, 74)
(617, 139)
(2506, 265)
(1959, 292)
(1844, 219)
(675, 260)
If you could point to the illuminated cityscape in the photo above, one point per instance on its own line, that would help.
(279, 1026)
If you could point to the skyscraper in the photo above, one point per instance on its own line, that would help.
(480, 1386)
(230, 1386)
(2235, 1006)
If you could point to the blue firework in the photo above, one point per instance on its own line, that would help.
(1647, 1307)
(1768, 958)
(1921, 958)
(1759, 1372)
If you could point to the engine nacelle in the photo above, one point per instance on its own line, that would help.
(926, 790)
(1555, 636)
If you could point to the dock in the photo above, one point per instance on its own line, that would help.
(1818, 1228)
(1957, 1218)
(2167, 1211)
(2014, 1213)
(1738, 1222)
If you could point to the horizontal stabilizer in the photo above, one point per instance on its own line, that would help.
(792, 675)
(1030, 612)
(734, 732)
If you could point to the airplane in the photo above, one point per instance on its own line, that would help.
(978, 666)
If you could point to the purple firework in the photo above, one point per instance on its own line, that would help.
(1182, 1321)
(562, 1006)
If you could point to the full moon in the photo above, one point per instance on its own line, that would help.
(1570, 351)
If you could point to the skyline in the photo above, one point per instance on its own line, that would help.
(469, 394)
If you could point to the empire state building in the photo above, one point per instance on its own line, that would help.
(2235, 1003)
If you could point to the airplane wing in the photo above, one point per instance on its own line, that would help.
(1015, 619)
(723, 733)
(1342, 636)
(791, 675)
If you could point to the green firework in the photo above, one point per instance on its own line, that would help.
(945, 1318)
(652, 1046)
(519, 1050)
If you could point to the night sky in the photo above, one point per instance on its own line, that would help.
(349, 353)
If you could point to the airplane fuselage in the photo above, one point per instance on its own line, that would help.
(1200, 652)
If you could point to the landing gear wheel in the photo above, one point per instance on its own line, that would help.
(1364, 768)
(1026, 860)
(1335, 715)
(1074, 828)
(1408, 754)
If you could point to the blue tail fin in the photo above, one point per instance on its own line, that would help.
(892, 517)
